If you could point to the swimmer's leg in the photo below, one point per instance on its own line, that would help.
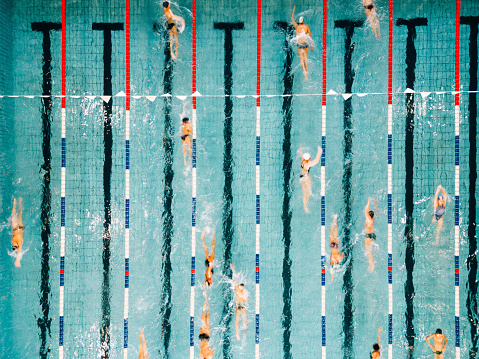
(243, 313)
(188, 143)
(20, 208)
(440, 222)
(184, 152)
(175, 38)
(306, 193)
(236, 324)
(367, 245)
(306, 61)
(302, 62)
(171, 45)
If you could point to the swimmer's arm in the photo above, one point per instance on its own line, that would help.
(427, 340)
(234, 273)
(379, 336)
(292, 18)
(445, 343)
(366, 209)
(318, 157)
(435, 196)
(300, 151)
(311, 36)
(342, 256)
(443, 192)
(204, 244)
(213, 245)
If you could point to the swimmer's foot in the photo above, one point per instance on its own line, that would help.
(237, 336)
(371, 268)
(186, 163)
(306, 209)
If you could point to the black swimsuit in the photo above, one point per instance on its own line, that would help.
(171, 25)
(369, 7)
(305, 172)
(184, 136)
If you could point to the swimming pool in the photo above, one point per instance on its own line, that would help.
(159, 215)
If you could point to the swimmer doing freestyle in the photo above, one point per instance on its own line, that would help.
(172, 29)
(209, 259)
(372, 17)
(336, 257)
(205, 333)
(370, 235)
(17, 229)
(439, 209)
(241, 299)
(304, 178)
(304, 37)
(186, 134)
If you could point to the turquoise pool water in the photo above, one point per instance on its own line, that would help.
(290, 322)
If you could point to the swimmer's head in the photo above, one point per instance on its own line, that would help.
(14, 246)
(301, 20)
(438, 331)
(185, 120)
(241, 285)
(376, 346)
(306, 157)
(440, 198)
(166, 4)
(208, 282)
(371, 214)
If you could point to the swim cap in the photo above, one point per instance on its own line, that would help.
(301, 19)
(306, 157)
(440, 197)
(186, 119)
(438, 331)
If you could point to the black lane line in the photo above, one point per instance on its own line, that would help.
(288, 79)
(167, 215)
(107, 28)
(228, 228)
(348, 285)
(44, 321)
(411, 57)
(471, 262)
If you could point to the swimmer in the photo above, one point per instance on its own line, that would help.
(210, 259)
(370, 235)
(372, 17)
(376, 352)
(205, 333)
(336, 258)
(17, 229)
(241, 298)
(143, 349)
(304, 38)
(172, 30)
(304, 178)
(439, 209)
(186, 134)
(438, 339)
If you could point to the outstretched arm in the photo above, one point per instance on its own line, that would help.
(436, 194)
(366, 209)
(213, 245)
(442, 190)
(234, 273)
(292, 18)
(379, 336)
(445, 343)
(204, 244)
(318, 157)
(300, 151)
